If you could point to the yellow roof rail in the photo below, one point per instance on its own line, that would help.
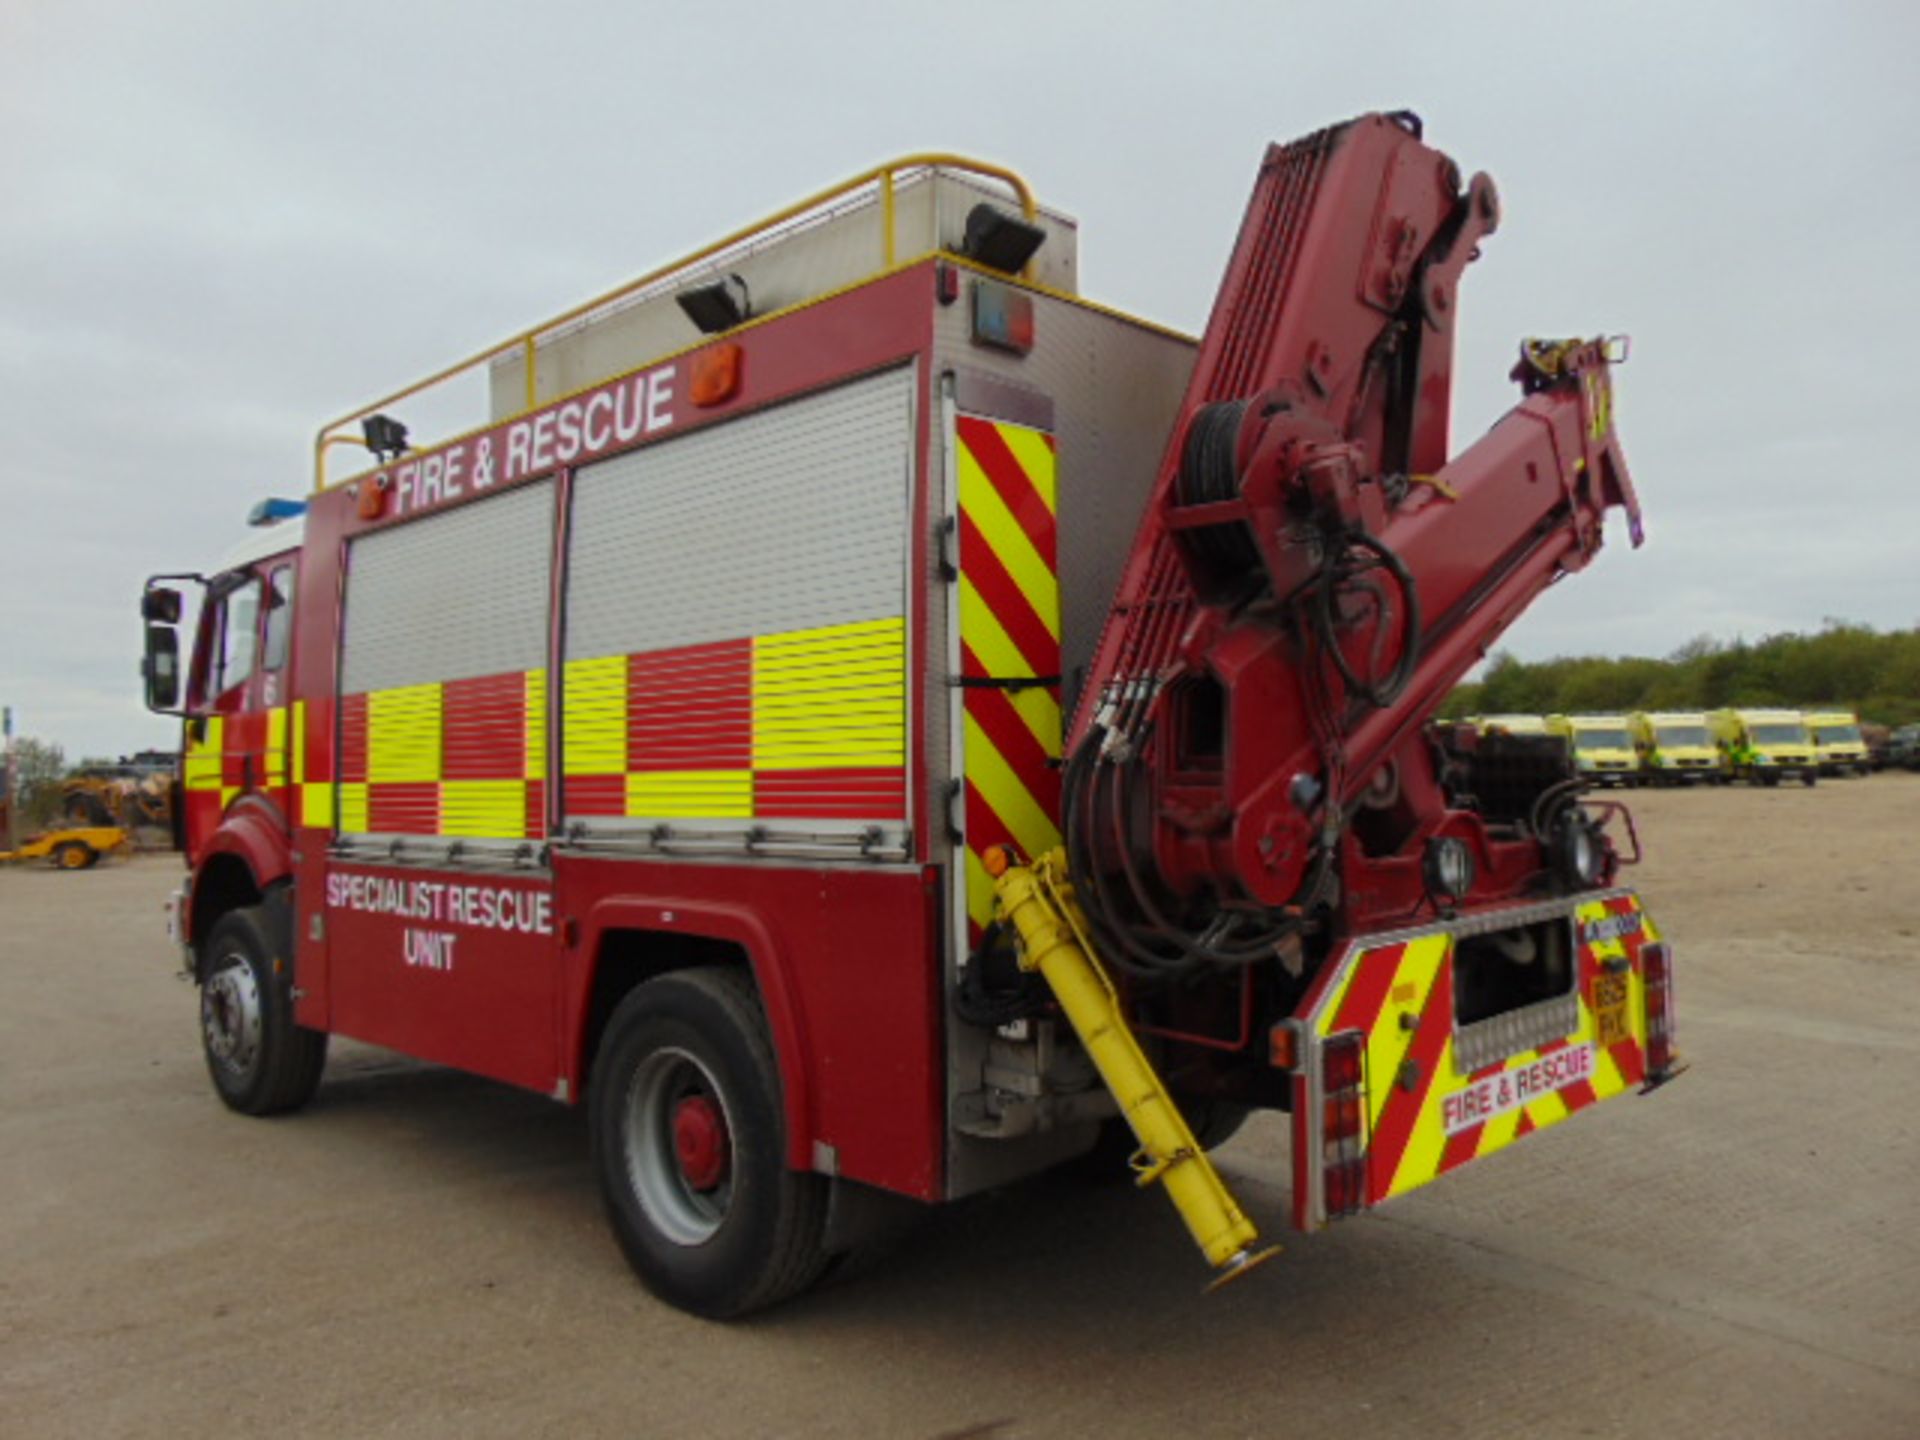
(526, 341)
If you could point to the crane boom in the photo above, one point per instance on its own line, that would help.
(1314, 573)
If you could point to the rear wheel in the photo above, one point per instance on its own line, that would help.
(260, 1061)
(74, 855)
(689, 1138)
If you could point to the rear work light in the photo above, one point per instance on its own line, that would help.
(1343, 1119)
(1656, 975)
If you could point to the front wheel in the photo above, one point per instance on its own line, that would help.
(261, 1062)
(689, 1139)
(1809, 777)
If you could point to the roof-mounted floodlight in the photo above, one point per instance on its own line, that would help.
(273, 510)
(1000, 241)
(385, 436)
(717, 306)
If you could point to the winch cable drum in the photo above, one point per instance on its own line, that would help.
(1125, 910)
(1210, 473)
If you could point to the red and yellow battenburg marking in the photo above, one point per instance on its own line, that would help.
(461, 758)
(1424, 1115)
(1009, 632)
(246, 751)
(799, 725)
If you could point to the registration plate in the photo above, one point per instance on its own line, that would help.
(1610, 1009)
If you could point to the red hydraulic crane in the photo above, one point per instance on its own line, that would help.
(1313, 574)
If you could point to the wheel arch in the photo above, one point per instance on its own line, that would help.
(627, 941)
(245, 862)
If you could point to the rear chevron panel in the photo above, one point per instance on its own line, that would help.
(1425, 1112)
(1009, 632)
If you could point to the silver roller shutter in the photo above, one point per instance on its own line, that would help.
(783, 520)
(790, 519)
(451, 596)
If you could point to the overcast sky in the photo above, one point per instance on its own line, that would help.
(224, 223)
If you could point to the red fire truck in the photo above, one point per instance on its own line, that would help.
(657, 744)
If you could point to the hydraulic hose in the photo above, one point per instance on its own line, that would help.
(1338, 576)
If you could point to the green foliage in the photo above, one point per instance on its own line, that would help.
(1843, 667)
(39, 767)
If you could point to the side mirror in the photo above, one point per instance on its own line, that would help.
(161, 667)
(160, 605)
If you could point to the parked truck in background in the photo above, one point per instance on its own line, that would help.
(1675, 747)
(1509, 724)
(1903, 748)
(1764, 747)
(1602, 747)
(856, 705)
(1838, 746)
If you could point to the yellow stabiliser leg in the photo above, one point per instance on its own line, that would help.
(1038, 900)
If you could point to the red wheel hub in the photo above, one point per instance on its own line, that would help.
(700, 1142)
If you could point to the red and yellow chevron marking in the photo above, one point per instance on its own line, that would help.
(1009, 630)
(1424, 1115)
(803, 724)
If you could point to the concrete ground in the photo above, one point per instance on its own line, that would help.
(420, 1253)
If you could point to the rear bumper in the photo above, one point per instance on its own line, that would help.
(1437, 1094)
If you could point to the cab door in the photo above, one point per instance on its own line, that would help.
(220, 752)
(272, 680)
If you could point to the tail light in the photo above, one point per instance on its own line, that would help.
(1346, 1187)
(1656, 975)
(1343, 1123)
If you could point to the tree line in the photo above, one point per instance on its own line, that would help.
(39, 767)
(1843, 666)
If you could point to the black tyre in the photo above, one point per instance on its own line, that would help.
(261, 1062)
(689, 1140)
(1809, 777)
(75, 855)
(1769, 778)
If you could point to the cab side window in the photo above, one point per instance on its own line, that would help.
(279, 599)
(239, 638)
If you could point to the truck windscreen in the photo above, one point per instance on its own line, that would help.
(1779, 735)
(1838, 734)
(1587, 739)
(1682, 734)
